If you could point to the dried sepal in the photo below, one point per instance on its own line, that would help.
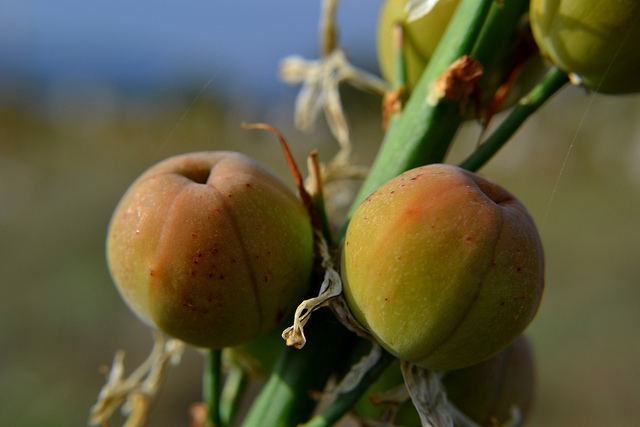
(330, 288)
(457, 83)
(430, 399)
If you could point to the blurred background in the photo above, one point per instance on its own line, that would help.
(93, 93)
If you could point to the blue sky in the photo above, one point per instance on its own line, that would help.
(145, 43)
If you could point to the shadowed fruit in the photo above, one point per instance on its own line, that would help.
(489, 393)
(210, 248)
(595, 39)
(443, 267)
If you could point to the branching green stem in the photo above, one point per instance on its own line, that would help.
(345, 401)
(554, 80)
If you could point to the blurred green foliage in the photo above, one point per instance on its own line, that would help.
(63, 170)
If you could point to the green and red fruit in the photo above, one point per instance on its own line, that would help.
(210, 248)
(443, 267)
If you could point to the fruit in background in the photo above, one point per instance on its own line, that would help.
(520, 67)
(595, 39)
(443, 267)
(210, 248)
(487, 393)
(420, 37)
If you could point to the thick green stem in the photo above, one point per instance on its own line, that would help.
(285, 401)
(552, 82)
(211, 385)
(424, 132)
(345, 401)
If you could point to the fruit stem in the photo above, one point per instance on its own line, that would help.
(231, 391)
(344, 402)
(284, 400)
(211, 385)
(423, 132)
(553, 81)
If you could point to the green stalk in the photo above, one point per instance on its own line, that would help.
(494, 41)
(345, 401)
(423, 132)
(554, 80)
(211, 386)
(232, 390)
(284, 400)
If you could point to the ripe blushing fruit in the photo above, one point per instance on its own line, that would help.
(210, 248)
(443, 267)
(595, 39)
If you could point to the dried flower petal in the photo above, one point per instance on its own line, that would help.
(136, 393)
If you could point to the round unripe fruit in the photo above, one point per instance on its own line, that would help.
(210, 248)
(595, 39)
(443, 267)
(420, 37)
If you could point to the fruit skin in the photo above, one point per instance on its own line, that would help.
(595, 39)
(443, 267)
(210, 248)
